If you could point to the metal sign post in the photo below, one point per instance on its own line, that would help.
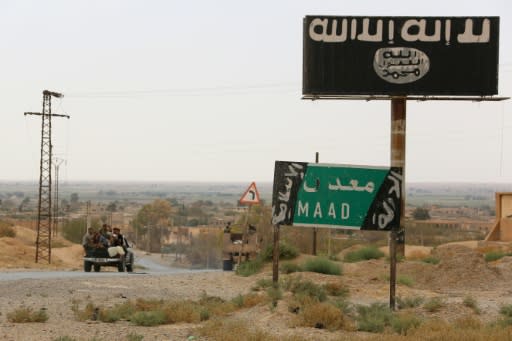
(250, 197)
(315, 230)
(397, 234)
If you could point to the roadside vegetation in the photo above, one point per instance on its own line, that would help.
(365, 253)
(26, 315)
(6, 229)
(492, 256)
(323, 306)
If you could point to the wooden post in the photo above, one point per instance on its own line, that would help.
(245, 235)
(392, 268)
(275, 256)
(397, 234)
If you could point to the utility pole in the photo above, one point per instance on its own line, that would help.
(58, 162)
(44, 208)
(88, 217)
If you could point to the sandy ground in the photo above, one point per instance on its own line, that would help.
(461, 273)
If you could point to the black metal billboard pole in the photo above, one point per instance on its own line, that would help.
(397, 233)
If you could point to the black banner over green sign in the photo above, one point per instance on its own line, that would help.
(336, 196)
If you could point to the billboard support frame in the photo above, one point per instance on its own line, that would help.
(410, 98)
(398, 138)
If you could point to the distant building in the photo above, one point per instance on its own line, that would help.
(454, 224)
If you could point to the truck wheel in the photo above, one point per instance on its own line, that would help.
(97, 268)
(129, 268)
(121, 266)
(87, 266)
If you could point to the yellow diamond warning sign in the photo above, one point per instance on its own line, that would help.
(251, 195)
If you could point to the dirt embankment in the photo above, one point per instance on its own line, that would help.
(19, 252)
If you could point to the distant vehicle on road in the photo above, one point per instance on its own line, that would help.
(95, 258)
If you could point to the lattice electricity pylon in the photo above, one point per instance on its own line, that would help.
(44, 208)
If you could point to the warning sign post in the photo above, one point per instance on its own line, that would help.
(250, 196)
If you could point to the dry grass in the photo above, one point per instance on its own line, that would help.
(89, 312)
(24, 315)
(323, 315)
(155, 312)
(418, 254)
(336, 289)
(463, 330)
(236, 330)
(434, 304)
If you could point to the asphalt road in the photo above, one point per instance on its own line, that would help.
(144, 265)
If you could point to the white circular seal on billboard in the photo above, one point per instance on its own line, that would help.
(400, 65)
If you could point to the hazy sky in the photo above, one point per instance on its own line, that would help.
(211, 91)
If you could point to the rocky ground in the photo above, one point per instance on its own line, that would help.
(461, 273)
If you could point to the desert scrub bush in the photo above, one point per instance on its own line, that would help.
(336, 289)
(496, 255)
(323, 266)
(148, 304)
(402, 323)
(7, 229)
(274, 294)
(24, 315)
(118, 312)
(493, 255)
(506, 310)
(288, 268)
(409, 302)
(470, 302)
(322, 315)
(468, 322)
(405, 280)
(263, 283)
(215, 305)
(249, 268)
(149, 312)
(305, 288)
(87, 313)
(286, 251)
(134, 337)
(442, 330)
(109, 315)
(247, 301)
(400, 279)
(149, 318)
(345, 306)
(182, 311)
(431, 260)
(334, 258)
(229, 330)
(373, 318)
(434, 304)
(365, 253)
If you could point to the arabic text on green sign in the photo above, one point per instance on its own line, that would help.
(333, 196)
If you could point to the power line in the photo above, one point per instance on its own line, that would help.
(231, 89)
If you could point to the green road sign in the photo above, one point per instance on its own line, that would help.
(336, 196)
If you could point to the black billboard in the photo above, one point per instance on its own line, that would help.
(400, 55)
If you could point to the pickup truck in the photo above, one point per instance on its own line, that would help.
(95, 258)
